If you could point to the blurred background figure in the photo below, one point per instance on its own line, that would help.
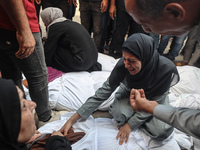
(192, 49)
(175, 46)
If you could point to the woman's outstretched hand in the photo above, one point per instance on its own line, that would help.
(123, 133)
(69, 123)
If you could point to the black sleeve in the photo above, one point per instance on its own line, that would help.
(50, 46)
(58, 143)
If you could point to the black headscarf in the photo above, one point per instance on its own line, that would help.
(157, 74)
(10, 116)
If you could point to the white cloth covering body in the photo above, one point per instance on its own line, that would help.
(101, 135)
(71, 90)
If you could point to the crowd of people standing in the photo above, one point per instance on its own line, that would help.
(113, 25)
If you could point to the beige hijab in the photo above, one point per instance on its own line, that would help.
(52, 15)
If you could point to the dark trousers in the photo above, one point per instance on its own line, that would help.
(33, 67)
(123, 23)
(92, 10)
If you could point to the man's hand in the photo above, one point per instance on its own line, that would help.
(104, 5)
(17, 14)
(123, 133)
(74, 2)
(34, 137)
(112, 12)
(139, 102)
(26, 44)
(38, 2)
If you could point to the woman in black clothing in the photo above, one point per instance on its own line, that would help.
(69, 46)
(17, 124)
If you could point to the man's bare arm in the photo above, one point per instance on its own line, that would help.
(17, 14)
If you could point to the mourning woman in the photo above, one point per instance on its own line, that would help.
(141, 67)
(17, 124)
(69, 47)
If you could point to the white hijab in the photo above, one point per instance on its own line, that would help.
(52, 15)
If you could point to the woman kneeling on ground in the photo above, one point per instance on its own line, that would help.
(69, 47)
(141, 67)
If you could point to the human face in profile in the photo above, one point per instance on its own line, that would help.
(28, 127)
(166, 24)
(132, 63)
